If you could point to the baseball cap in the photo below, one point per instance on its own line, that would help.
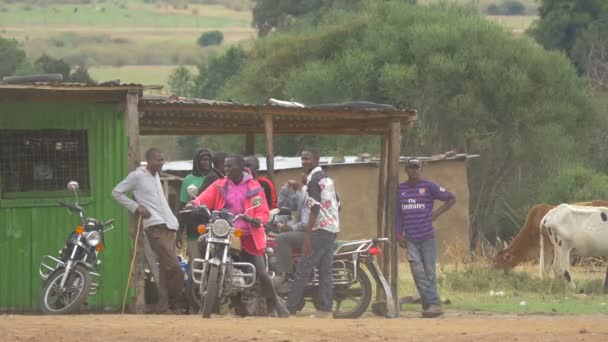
(414, 162)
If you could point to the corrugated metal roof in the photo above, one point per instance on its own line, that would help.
(287, 163)
(78, 86)
(272, 103)
(182, 116)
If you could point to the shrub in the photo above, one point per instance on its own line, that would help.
(493, 9)
(211, 38)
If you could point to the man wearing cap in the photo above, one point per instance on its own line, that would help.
(414, 231)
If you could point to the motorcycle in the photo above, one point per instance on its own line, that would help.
(219, 275)
(352, 289)
(69, 278)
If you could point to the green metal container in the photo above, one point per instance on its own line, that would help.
(32, 225)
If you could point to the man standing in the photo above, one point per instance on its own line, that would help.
(320, 234)
(253, 163)
(160, 227)
(414, 231)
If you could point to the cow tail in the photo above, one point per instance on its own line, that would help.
(541, 262)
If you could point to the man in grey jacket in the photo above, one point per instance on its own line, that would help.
(292, 196)
(160, 226)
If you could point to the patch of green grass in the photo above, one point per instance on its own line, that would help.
(469, 289)
(514, 22)
(114, 15)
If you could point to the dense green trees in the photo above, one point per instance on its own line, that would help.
(477, 90)
(14, 62)
(11, 55)
(563, 22)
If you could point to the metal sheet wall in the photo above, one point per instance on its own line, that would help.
(31, 228)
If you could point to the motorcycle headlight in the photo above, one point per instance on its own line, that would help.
(93, 238)
(220, 228)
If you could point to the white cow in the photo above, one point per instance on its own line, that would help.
(572, 227)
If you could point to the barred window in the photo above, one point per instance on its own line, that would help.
(43, 160)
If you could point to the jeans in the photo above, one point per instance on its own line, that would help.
(286, 242)
(422, 257)
(323, 257)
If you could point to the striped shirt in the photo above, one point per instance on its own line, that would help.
(414, 219)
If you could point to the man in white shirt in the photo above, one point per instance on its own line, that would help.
(160, 227)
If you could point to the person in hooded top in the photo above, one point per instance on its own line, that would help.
(202, 176)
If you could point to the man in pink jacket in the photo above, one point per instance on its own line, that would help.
(235, 193)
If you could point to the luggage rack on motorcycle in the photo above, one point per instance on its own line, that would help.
(340, 274)
(351, 247)
(247, 274)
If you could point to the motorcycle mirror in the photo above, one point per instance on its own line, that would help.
(73, 186)
(192, 191)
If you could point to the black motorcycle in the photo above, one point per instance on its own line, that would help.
(352, 288)
(69, 279)
(220, 276)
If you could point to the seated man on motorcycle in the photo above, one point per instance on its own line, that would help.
(235, 193)
(292, 196)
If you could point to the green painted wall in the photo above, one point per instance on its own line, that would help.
(31, 228)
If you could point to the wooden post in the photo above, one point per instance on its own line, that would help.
(381, 186)
(380, 232)
(132, 130)
(392, 183)
(249, 144)
(269, 131)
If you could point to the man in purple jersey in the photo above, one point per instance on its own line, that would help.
(414, 231)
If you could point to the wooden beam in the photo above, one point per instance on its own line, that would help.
(132, 130)
(159, 130)
(269, 131)
(383, 199)
(249, 143)
(380, 211)
(392, 183)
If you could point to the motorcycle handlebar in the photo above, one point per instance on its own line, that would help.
(72, 207)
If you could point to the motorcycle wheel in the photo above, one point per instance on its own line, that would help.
(211, 290)
(57, 301)
(352, 301)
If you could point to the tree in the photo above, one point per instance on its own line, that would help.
(590, 52)
(562, 22)
(477, 89)
(11, 55)
(80, 74)
(52, 65)
(214, 73)
(271, 14)
(211, 38)
(181, 81)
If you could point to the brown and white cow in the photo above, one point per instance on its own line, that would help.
(525, 246)
(583, 230)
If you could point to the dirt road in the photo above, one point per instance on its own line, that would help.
(454, 326)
